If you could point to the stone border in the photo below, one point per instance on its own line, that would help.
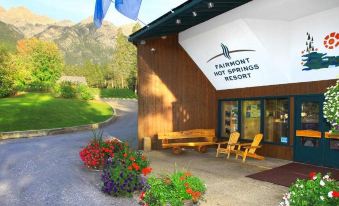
(112, 98)
(64, 130)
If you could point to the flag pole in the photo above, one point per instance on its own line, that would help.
(142, 22)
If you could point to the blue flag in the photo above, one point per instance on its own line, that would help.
(101, 8)
(129, 8)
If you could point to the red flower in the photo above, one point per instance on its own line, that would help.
(335, 193)
(186, 184)
(187, 174)
(312, 175)
(135, 166)
(189, 191)
(129, 167)
(146, 171)
(132, 158)
(142, 196)
(182, 178)
(125, 155)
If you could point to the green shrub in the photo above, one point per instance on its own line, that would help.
(7, 76)
(84, 92)
(68, 90)
(318, 190)
(173, 189)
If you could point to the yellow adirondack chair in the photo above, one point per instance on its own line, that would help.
(250, 148)
(230, 147)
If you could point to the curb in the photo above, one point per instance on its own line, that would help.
(111, 98)
(54, 131)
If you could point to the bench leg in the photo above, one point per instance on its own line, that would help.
(177, 150)
(202, 149)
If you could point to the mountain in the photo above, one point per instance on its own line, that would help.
(9, 35)
(79, 42)
(82, 41)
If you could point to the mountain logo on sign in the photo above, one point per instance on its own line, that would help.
(312, 59)
(226, 52)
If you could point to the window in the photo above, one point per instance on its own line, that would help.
(269, 116)
(250, 118)
(229, 119)
(276, 121)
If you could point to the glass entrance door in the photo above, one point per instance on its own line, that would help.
(310, 144)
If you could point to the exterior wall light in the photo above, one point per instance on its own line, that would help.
(194, 13)
(164, 37)
(178, 21)
(142, 42)
(153, 50)
(210, 5)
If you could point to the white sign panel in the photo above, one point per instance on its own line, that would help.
(250, 52)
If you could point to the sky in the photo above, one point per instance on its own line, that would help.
(78, 10)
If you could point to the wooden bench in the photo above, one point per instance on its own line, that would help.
(197, 138)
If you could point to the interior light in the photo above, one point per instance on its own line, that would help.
(210, 5)
(178, 21)
(194, 13)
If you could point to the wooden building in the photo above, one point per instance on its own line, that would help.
(247, 66)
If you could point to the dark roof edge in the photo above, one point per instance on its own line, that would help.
(179, 9)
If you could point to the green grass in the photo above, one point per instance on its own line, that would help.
(114, 93)
(42, 111)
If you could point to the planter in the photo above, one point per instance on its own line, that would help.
(94, 169)
(333, 135)
(188, 202)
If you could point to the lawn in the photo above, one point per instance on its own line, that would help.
(114, 93)
(43, 111)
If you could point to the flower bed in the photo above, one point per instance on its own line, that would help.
(318, 190)
(173, 189)
(125, 171)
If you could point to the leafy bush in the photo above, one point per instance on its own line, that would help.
(173, 189)
(318, 190)
(331, 106)
(7, 77)
(122, 173)
(84, 92)
(98, 151)
(68, 89)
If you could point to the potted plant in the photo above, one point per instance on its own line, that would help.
(331, 108)
(125, 172)
(179, 188)
(97, 151)
(318, 190)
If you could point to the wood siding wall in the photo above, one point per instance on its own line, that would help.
(175, 95)
(173, 92)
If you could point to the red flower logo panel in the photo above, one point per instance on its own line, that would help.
(332, 40)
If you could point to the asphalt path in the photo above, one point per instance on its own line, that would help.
(48, 170)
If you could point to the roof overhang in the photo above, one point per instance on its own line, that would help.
(183, 17)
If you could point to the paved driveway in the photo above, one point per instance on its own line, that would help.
(48, 171)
